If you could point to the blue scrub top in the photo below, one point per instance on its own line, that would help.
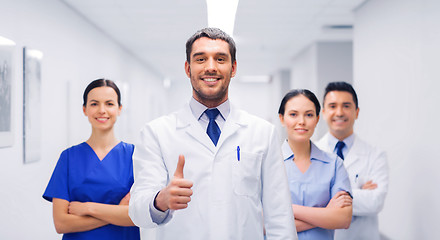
(81, 176)
(325, 177)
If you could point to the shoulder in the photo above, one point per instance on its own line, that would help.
(323, 142)
(170, 117)
(128, 147)
(334, 162)
(361, 146)
(322, 155)
(251, 120)
(73, 152)
(163, 122)
(79, 148)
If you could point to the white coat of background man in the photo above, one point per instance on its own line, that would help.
(366, 165)
(202, 178)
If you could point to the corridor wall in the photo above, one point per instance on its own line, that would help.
(317, 65)
(75, 52)
(396, 75)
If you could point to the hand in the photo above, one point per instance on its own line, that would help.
(340, 200)
(125, 200)
(369, 185)
(178, 193)
(78, 208)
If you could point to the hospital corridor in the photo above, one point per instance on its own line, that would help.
(51, 50)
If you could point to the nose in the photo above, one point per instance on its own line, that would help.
(301, 120)
(211, 66)
(339, 111)
(101, 108)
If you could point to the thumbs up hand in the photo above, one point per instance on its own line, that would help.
(178, 193)
(179, 169)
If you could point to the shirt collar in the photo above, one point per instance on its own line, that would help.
(287, 151)
(198, 109)
(348, 141)
(315, 152)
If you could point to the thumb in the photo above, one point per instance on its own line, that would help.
(179, 169)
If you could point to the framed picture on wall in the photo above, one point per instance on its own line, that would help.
(6, 55)
(31, 104)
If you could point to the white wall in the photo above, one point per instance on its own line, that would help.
(396, 75)
(304, 69)
(317, 65)
(260, 99)
(334, 63)
(74, 54)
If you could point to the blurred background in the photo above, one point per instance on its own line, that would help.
(389, 50)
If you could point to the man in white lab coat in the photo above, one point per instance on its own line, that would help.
(210, 170)
(366, 165)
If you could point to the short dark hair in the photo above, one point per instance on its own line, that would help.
(343, 87)
(212, 33)
(295, 92)
(102, 82)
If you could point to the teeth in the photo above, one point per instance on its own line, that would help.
(210, 79)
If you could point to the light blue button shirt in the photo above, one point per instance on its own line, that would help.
(325, 177)
(198, 110)
(332, 141)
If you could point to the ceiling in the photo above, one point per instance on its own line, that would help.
(268, 34)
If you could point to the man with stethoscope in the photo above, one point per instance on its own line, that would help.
(367, 166)
(210, 170)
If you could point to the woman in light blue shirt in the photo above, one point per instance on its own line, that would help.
(319, 185)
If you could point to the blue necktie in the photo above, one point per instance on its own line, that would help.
(339, 146)
(213, 130)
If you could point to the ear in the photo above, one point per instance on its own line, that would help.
(234, 69)
(187, 69)
(84, 111)
(119, 110)
(357, 113)
(281, 116)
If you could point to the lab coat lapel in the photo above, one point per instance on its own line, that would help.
(234, 122)
(354, 154)
(187, 122)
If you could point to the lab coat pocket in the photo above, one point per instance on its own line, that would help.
(359, 180)
(246, 173)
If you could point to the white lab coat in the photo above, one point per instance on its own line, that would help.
(363, 163)
(229, 196)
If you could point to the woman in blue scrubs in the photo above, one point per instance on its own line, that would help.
(90, 185)
(319, 185)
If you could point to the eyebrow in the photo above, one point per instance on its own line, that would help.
(337, 102)
(294, 110)
(198, 54)
(110, 100)
(203, 53)
(223, 54)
